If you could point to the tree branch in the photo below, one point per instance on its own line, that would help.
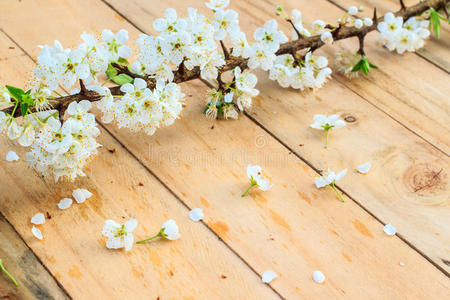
(312, 43)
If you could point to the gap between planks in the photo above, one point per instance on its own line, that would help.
(415, 52)
(158, 179)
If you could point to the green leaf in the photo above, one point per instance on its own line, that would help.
(111, 71)
(123, 61)
(26, 98)
(16, 93)
(435, 22)
(357, 67)
(23, 108)
(122, 79)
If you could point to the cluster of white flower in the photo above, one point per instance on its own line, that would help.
(191, 41)
(63, 150)
(311, 73)
(86, 62)
(407, 36)
(141, 109)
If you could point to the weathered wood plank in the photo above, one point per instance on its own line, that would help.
(204, 168)
(34, 281)
(436, 50)
(198, 265)
(402, 174)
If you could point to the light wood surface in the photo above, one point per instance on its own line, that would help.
(199, 265)
(396, 190)
(292, 229)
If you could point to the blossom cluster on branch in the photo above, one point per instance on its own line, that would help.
(62, 133)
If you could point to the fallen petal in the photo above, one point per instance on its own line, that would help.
(196, 214)
(38, 219)
(318, 276)
(12, 156)
(364, 168)
(389, 229)
(81, 195)
(65, 203)
(268, 276)
(37, 233)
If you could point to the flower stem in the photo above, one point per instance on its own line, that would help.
(7, 273)
(337, 192)
(150, 238)
(248, 189)
(14, 110)
(326, 137)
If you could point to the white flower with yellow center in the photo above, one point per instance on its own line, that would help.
(257, 178)
(119, 236)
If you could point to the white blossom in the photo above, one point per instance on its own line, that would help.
(329, 178)
(257, 178)
(224, 21)
(326, 37)
(169, 230)
(119, 236)
(270, 36)
(323, 122)
(116, 44)
(352, 10)
(217, 4)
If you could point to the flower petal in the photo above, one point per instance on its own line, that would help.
(37, 233)
(318, 276)
(196, 214)
(38, 219)
(389, 229)
(131, 225)
(268, 276)
(12, 156)
(80, 195)
(340, 174)
(364, 168)
(65, 203)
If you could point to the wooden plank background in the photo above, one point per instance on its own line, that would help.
(401, 127)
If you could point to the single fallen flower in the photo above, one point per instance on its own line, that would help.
(119, 236)
(389, 229)
(65, 203)
(169, 230)
(257, 178)
(268, 276)
(7, 273)
(12, 156)
(323, 122)
(196, 214)
(80, 195)
(37, 233)
(329, 178)
(364, 168)
(318, 276)
(38, 219)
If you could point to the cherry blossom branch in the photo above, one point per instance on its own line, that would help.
(182, 74)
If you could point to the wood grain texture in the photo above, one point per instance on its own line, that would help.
(198, 266)
(34, 280)
(435, 51)
(402, 186)
(292, 229)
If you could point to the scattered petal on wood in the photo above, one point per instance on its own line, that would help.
(318, 276)
(268, 276)
(364, 168)
(81, 195)
(37, 233)
(196, 214)
(12, 156)
(38, 219)
(389, 229)
(65, 203)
